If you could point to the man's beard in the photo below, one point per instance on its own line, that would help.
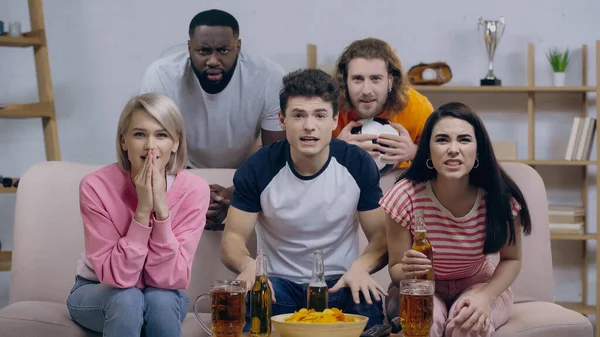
(212, 87)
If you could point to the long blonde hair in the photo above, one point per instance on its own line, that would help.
(372, 48)
(166, 113)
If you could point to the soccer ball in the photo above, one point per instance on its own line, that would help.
(377, 126)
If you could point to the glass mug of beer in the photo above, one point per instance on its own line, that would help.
(228, 308)
(416, 307)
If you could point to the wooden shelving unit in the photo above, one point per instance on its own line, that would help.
(44, 108)
(31, 110)
(31, 39)
(511, 89)
(531, 90)
(553, 162)
(579, 237)
(5, 258)
(8, 189)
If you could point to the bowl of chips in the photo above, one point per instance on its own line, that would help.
(327, 323)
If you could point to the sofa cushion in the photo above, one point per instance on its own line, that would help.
(543, 319)
(34, 318)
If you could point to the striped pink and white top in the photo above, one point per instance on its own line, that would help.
(457, 241)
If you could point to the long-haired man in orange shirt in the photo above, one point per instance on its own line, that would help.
(373, 84)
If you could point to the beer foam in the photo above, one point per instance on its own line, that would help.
(417, 292)
(318, 284)
(232, 289)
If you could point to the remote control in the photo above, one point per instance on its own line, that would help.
(378, 330)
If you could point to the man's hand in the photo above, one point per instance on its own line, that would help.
(400, 147)
(220, 199)
(248, 275)
(358, 280)
(364, 141)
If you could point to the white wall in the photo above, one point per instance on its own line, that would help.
(100, 49)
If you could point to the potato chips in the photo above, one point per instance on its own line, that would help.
(332, 315)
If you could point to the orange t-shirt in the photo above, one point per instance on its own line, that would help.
(412, 117)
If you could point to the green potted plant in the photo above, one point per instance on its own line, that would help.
(559, 62)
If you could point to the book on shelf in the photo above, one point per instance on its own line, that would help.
(566, 214)
(567, 228)
(566, 219)
(581, 139)
(568, 210)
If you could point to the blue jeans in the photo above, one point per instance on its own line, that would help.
(291, 297)
(127, 312)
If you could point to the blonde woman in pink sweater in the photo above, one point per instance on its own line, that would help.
(143, 217)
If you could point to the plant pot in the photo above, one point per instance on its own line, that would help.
(559, 79)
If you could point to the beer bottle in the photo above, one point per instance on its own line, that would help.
(317, 295)
(260, 300)
(422, 244)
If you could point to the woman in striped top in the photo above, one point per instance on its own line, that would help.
(472, 209)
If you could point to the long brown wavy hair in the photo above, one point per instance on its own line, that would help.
(372, 48)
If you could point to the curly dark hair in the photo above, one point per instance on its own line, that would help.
(372, 48)
(214, 17)
(309, 83)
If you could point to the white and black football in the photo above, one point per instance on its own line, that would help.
(377, 126)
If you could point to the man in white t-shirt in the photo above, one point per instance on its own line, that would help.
(308, 193)
(227, 99)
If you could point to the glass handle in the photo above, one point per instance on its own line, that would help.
(202, 323)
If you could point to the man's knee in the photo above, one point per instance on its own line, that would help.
(373, 311)
(286, 295)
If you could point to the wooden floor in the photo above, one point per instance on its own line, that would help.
(5, 258)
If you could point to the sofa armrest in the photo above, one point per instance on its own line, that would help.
(544, 319)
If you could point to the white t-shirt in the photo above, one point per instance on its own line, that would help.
(220, 128)
(299, 214)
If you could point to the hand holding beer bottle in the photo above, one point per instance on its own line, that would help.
(248, 275)
(417, 262)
